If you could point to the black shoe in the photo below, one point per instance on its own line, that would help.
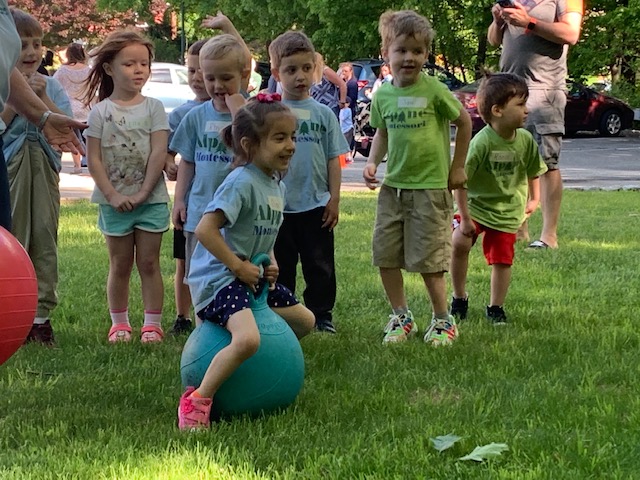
(325, 325)
(41, 333)
(181, 326)
(459, 307)
(496, 315)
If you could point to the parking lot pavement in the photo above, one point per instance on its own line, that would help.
(587, 162)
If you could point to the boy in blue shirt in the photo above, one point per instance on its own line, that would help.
(412, 115)
(502, 168)
(33, 169)
(183, 323)
(206, 161)
(313, 181)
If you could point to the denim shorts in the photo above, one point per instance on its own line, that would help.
(149, 217)
(235, 297)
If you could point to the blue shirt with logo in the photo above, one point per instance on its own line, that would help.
(253, 204)
(318, 140)
(198, 140)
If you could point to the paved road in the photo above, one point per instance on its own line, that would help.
(587, 162)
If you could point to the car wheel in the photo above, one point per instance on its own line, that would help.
(611, 123)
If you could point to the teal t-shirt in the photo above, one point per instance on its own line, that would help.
(417, 119)
(498, 172)
(198, 140)
(253, 205)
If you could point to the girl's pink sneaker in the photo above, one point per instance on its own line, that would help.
(193, 412)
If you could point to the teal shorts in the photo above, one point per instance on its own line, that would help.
(149, 217)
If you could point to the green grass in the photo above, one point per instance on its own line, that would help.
(558, 385)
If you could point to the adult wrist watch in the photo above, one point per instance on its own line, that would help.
(530, 26)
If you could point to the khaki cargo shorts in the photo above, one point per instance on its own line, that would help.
(413, 230)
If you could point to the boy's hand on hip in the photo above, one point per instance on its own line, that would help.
(369, 175)
(457, 178)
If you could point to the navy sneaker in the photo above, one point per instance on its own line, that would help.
(181, 326)
(459, 307)
(496, 315)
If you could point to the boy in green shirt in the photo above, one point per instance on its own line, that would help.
(502, 169)
(412, 115)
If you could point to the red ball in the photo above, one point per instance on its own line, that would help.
(18, 295)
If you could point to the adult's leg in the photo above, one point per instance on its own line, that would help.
(551, 200)
(43, 248)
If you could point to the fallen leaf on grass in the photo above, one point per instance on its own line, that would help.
(486, 452)
(443, 442)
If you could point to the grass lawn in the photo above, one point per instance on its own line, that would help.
(559, 385)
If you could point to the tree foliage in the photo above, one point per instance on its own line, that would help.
(345, 30)
(63, 21)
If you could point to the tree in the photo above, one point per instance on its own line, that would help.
(64, 22)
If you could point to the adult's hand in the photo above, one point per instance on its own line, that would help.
(59, 132)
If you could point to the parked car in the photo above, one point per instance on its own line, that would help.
(168, 83)
(366, 71)
(586, 110)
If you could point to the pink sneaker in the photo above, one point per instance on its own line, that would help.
(193, 412)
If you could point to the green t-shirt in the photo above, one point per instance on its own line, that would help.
(417, 119)
(498, 172)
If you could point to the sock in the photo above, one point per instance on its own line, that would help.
(441, 316)
(40, 320)
(120, 317)
(401, 310)
(153, 318)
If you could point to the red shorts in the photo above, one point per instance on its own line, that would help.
(497, 246)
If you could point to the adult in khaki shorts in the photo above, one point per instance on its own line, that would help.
(535, 37)
(413, 219)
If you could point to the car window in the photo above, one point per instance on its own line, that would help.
(160, 75)
(182, 76)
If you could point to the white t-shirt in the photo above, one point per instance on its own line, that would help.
(125, 144)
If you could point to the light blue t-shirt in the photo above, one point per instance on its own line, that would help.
(9, 53)
(178, 113)
(198, 141)
(21, 130)
(253, 204)
(318, 139)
